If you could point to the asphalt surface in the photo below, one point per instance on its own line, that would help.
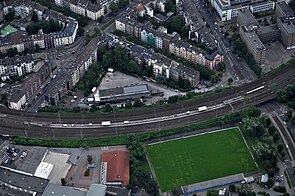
(22, 123)
(283, 130)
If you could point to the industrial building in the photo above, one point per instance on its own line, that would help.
(122, 93)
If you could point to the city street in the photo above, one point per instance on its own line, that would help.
(237, 70)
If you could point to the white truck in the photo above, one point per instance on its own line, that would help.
(90, 99)
(105, 123)
(203, 108)
(93, 89)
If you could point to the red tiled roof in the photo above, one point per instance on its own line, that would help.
(117, 166)
(140, 7)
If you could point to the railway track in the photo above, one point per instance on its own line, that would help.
(14, 121)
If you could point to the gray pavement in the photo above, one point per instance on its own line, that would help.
(276, 55)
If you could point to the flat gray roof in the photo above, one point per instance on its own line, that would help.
(58, 190)
(96, 190)
(135, 89)
(248, 17)
(23, 181)
(287, 24)
(218, 182)
(254, 40)
(286, 8)
(123, 91)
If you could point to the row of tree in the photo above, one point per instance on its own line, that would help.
(10, 15)
(242, 51)
(91, 78)
(139, 176)
(286, 96)
(116, 6)
(267, 150)
(119, 59)
(47, 27)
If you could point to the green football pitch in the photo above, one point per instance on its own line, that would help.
(8, 30)
(200, 158)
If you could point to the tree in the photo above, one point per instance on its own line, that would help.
(176, 192)
(10, 15)
(11, 52)
(93, 1)
(114, 7)
(108, 108)
(230, 80)
(63, 182)
(276, 137)
(80, 31)
(220, 67)
(232, 188)
(174, 24)
(37, 48)
(107, 60)
(213, 79)
(170, 6)
(35, 17)
(137, 103)
(123, 3)
(267, 122)
(183, 83)
(272, 130)
(89, 159)
(184, 31)
(132, 67)
(149, 72)
(253, 126)
(283, 154)
(280, 147)
(289, 114)
(264, 151)
(212, 193)
(144, 181)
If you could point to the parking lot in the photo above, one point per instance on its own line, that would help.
(23, 158)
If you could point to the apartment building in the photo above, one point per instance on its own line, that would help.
(170, 44)
(253, 43)
(70, 75)
(16, 66)
(21, 41)
(287, 29)
(163, 66)
(19, 96)
(283, 9)
(86, 8)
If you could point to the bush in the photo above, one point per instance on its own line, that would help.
(272, 130)
(276, 137)
(280, 147)
(269, 183)
(87, 172)
(232, 188)
(280, 189)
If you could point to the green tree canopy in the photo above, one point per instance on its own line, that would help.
(35, 17)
